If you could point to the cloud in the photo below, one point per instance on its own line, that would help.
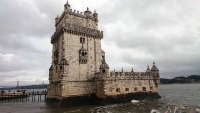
(136, 33)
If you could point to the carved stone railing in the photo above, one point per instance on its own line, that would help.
(128, 76)
(84, 30)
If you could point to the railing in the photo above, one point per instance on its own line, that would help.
(23, 96)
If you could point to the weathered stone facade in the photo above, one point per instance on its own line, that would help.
(78, 62)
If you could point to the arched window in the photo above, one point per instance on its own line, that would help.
(83, 54)
(82, 40)
(104, 71)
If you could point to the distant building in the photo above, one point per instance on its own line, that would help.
(79, 68)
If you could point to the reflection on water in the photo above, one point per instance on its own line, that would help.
(173, 95)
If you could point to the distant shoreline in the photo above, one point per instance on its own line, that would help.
(42, 86)
(180, 83)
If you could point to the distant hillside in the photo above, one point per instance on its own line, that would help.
(42, 86)
(181, 79)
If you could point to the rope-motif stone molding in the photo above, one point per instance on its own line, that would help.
(79, 30)
(84, 30)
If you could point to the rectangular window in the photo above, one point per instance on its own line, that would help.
(135, 89)
(60, 67)
(82, 40)
(127, 89)
(110, 89)
(144, 88)
(118, 90)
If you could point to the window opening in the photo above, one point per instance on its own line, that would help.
(135, 89)
(83, 54)
(144, 88)
(82, 40)
(118, 90)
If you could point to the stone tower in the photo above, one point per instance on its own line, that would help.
(76, 53)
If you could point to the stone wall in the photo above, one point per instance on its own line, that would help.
(119, 87)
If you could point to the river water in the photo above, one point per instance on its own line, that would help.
(173, 96)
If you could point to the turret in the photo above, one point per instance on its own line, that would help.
(132, 70)
(154, 68)
(87, 13)
(95, 15)
(63, 66)
(50, 73)
(57, 19)
(148, 69)
(67, 7)
(104, 68)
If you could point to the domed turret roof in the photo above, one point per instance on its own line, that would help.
(63, 62)
(104, 65)
(87, 12)
(67, 4)
(148, 69)
(154, 68)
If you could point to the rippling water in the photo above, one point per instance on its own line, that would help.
(174, 94)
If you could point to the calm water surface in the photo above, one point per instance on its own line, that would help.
(175, 94)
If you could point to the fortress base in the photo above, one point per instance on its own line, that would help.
(93, 99)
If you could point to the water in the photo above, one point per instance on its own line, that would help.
(174, 94)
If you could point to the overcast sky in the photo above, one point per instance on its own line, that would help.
(136, 33)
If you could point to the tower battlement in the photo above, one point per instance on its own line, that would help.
(79, 30)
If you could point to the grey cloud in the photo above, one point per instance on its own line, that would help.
(24, 18)
(167, 31)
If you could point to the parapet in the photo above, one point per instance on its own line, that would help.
(91, 16)
(131, 75)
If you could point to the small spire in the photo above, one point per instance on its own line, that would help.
(132, 70)
(87, 9)
(154, 64)
(122, 70)
(147, 66)
(57, 16)
(67, 4)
